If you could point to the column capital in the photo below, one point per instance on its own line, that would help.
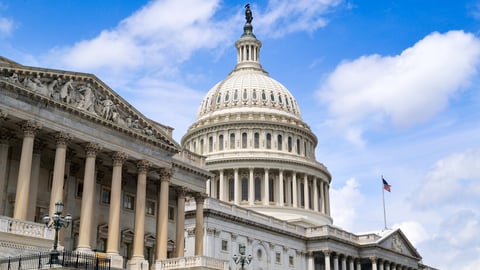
(30, 128)
(165, 174)
(200, 197)
(5, 136)
(326, 252)
(118, 158)
(181, 191)
(373, 259)
(91, 149)
(143, 165)
(62, 138)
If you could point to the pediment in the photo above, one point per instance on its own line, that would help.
(398, 242)
(86, 95)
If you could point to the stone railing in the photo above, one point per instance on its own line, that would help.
(27, 228)
(342, 234)
(191, 158)
(196, 262)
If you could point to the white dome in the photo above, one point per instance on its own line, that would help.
(251, 91)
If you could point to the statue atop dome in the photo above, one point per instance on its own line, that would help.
(248, 14)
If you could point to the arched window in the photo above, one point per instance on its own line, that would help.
(264, 96)
(201, 147)
(220, 142)
(269, 141)
(256, 140)
(289, 142)
(302, 195)
(245, 95)
(298, 147)
(254, 95)
(244, 140)
(231, 189)
(279, 142)
(305, 149)
(258, 189)
(235, 95)
(227, 97)
(232, 141)
(219, 98)
(210, 144)
(244, 189)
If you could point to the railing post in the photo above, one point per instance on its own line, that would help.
(39, 260)
(20, 263)
(8, 263)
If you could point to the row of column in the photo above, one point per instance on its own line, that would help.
(87, 204)
(350, 263)
(287, 186)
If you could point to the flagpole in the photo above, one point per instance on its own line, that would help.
(384, 211)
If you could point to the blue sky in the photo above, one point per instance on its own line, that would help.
(389, 87)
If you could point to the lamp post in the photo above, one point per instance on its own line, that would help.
(242, 259)
(57, 221)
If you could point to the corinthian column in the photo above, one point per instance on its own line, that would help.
(315, 194)
(25, 170)
(199, 201)
(180, 229)
(251, 188)
(327, 253)
(162, 217)
(266, 191)
(61, 140)
(4, 146)
(306, 197)
(374, 262)
(139, 229)
(115, 210)
(281, 188)
(88, 195)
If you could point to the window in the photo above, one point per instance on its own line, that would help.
(244, 140)
(201, 147)
(291, 261)
(279, 142)
(254, 95)
(280, 100)
(220, 142)
(210, 144)
(102, 245)
(289, 142)
(105, 196)
(256, 140)
(272, 97)
(231, 189)
(150, 208)
(227, 97)
(264, 96)
(245, 95)
(298, 147)
(219, 98)
(235, 95)
(224, 245)
(79, 191)
(271, 188)
(278, 257)
(305, 148)
(258, 189)
(269, 141)
(128, 201)
(232, 141)
(244, 189)
(171, 213)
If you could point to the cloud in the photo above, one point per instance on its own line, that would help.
(452, 178)
(344, 203)
(414, 231)
(405, 89)
(6, 26)
(283, 17)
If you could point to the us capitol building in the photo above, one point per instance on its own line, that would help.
(245, 175)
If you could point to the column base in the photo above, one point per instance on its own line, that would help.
(85, 250)
(116, 261)
(137, 264)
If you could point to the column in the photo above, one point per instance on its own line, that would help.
(113, 240)
(358, 264)
(4, 146)
(327, 199)
(34, 179)
(236, 187)
(25, 170)
(322, 193)
(138, 260)
(289, 191)
(266, 199)
(315, 194)
(294, 189)
(56, 195)
(213, 187)
(88, 196)
(350, 265)
(344, 263)
(199, 201)
(222, 187)
(306, 197)
(380, 264)
(310, 262)
(180, 226)
(162, 216)
(373, 259)
(281, 188)
(335, 262)
(251, 188)
(327, 253)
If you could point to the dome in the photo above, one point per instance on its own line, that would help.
(248, 90)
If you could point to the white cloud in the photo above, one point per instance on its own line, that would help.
(452, 179)
(6, 26)
(345, 202)
(407, 89)
(414, 231)
(283, 17)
